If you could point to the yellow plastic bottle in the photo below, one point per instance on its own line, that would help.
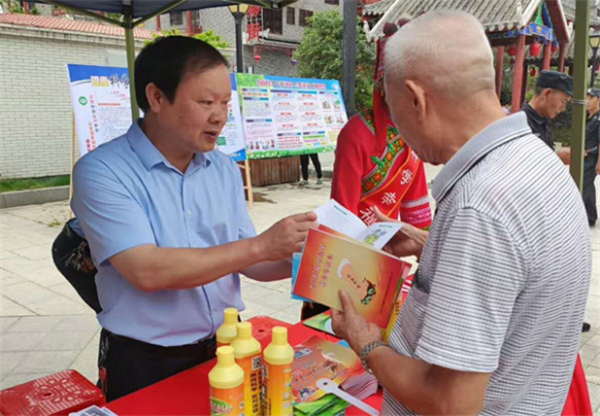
(226, 381)
(278, 360)
(247, 352)
(228, 331)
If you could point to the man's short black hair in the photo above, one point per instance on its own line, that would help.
(167, 60)
(539, 90)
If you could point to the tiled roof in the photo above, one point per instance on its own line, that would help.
(59, 23)
(495, 15)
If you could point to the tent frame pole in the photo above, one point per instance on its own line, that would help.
(582, 19)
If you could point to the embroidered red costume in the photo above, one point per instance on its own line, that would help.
(375, 168)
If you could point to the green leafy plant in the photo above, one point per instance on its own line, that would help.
(209, 37)
(320, 55)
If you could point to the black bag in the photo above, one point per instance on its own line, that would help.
(71, 255)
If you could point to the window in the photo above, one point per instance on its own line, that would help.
(304, 14)
(291, 16)
(176, 18)
(273, 20)
(334, 2)
(195, 20)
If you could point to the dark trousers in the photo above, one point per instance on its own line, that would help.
(589, 190)
(127, 365)
(71, 255)
(304, 165)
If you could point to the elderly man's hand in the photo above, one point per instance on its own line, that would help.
(352, 327)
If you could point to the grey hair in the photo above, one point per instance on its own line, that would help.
(446, 50)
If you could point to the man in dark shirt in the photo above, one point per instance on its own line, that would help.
(553, 92)
(592, 161)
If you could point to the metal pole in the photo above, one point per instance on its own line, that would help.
(594, 56)
(582, 21)
(130, 48)
(239, 47)
(349, 53)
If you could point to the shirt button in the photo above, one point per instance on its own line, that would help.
(189, 212)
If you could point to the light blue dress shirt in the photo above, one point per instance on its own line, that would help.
(127, 194)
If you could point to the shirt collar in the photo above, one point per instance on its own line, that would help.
(151, 156)
(493, 136)
(535, 116)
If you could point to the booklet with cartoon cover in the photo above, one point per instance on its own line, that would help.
(372, 277)
(317, 358)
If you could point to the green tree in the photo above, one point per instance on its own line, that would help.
(320, 55)
(209, 37)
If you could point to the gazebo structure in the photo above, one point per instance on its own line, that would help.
(514, 27)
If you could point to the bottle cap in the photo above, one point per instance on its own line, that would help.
(230, 316)
(244, 330)
(280, 335)
(225, 355)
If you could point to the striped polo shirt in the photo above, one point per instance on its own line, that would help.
(504, 276)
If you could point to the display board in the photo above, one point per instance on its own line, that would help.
(231, 141)
(289, 116)
(101, 104)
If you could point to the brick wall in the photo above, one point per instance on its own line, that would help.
(35, 106)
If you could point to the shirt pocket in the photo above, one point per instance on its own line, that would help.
(413, 315)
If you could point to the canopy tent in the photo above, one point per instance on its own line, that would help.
(136, 12)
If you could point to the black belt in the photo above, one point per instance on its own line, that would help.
(176, 351)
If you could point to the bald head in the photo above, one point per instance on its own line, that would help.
(454, 67)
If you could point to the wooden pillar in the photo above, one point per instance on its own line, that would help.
(188, 23)
(518, 75)
(561, 57)
(158, 26)
(499, 69)
(547, 56)
(524, 88)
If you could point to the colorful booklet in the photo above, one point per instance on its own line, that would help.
(372, 277)
(317, 358)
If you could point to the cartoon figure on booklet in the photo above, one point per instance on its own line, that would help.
(365, 289)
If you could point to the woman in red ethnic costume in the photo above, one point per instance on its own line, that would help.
(375, 168)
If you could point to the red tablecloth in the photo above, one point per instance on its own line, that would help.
(187, 393)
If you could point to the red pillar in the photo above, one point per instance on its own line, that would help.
(188, 23)
(547, 56)
(518, 75)
(561, 57)
(158, 26)
(499, 69)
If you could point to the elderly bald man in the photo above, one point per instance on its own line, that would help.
(491, 324)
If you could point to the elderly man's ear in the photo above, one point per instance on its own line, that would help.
(417, 96)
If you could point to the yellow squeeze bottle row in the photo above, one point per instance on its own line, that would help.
(226, 381)
(278, 360)
(247, 352)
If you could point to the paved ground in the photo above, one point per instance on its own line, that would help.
(45, 327)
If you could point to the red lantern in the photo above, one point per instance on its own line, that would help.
(535, 49)
(554, 48)
(532, 72)
(257, 58)
(512, 50)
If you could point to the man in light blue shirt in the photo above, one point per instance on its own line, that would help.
(166, 220)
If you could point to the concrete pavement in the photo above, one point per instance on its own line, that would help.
(45, 327)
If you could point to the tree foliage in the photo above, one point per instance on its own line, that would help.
(320, 55)
(209, 37)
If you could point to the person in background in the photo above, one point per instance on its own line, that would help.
(491, 325)
(304, 168)
(553, 91)
(375, 169)
(166, 220)
(592, 161)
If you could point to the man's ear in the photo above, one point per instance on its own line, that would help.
(156, 98)
(417, 97)
(546, 93)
